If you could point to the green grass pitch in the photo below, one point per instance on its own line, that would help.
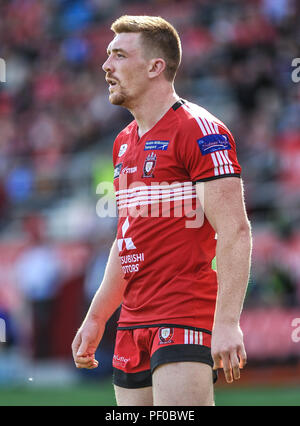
(102, 395)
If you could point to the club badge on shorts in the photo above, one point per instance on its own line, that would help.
(165, 335)
(149, 165)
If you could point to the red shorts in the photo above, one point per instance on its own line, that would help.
(138, 351)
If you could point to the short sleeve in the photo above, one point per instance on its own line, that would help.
(209, 153)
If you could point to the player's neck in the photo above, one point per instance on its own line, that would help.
(152, 108)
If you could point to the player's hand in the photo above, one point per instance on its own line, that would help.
(85, 344)
(228, 350)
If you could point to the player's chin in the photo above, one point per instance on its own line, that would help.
(117, 99)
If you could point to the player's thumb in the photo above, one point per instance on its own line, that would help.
(82, 350)
(217, 362)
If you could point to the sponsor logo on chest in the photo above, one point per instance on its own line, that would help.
(156, 145)
(129, 170)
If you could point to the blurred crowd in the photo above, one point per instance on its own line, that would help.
(57, 129)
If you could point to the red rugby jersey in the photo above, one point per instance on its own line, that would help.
(166, 245)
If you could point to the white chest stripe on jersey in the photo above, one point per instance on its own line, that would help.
(145, 195)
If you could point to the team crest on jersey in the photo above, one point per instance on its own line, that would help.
(165, 335)
(149, 165)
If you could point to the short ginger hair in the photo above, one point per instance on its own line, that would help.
(159, 37)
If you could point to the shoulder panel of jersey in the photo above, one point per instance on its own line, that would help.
(206, 147)
(119, 140)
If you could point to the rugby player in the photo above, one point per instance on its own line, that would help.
(179, 320)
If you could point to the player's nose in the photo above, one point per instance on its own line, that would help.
(107, 66)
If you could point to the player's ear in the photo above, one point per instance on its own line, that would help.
(156, 67)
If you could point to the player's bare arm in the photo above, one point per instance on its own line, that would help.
(105, 302)
(225, 210)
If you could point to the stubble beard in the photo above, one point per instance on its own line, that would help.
(117, 98)
(122, 98)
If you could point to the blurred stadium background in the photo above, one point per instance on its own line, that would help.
(56, 133)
